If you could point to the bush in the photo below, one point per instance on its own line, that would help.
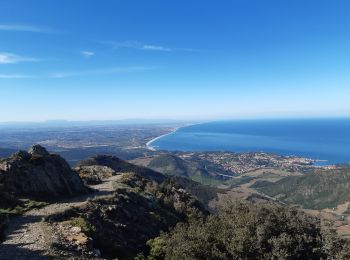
(249, 231)
(85, 227)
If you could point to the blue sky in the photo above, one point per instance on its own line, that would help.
(179, 59)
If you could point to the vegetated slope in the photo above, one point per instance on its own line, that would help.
(119, 165)
(143, 204)
(119, 225)
(251, 231)
(315, 190)
(172, 165)
(204, 193)
(127, 221)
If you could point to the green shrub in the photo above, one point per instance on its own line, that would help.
(85, 226)
(249, 231)
(315, 190)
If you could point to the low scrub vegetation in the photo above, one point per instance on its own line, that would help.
(249, 231)
(82, 224)
(315, 190)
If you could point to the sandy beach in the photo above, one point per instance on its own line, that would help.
(148, 144)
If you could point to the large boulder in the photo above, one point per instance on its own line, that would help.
(39, 174)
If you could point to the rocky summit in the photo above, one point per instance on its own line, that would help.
(39, 174)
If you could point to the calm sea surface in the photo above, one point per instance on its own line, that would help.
(323, 139)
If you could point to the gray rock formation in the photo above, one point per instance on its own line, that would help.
(39, 174)
(95, 174)
(38, 150)
(121, 166)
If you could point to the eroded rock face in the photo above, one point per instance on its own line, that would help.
(39, 174)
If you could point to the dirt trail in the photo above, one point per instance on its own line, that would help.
(28, 237)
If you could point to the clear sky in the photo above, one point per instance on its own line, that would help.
(179, 59)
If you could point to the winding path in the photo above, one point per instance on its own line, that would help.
(29, 237)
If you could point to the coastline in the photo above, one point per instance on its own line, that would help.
(148, 144)
(318, 158)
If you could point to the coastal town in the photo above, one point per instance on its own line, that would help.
(240, 163)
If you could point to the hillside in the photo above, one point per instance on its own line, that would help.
(241, 230)
(204, 193)
(121, 166)
(138, 213)
(315, 190)
(120, 224)
(173, 165)
(131, 204)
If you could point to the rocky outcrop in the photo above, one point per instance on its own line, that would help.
(121, 166)
(39, 174)
(95, 174)
(95, 169)
(119, 225)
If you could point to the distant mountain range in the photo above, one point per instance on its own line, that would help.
(67, 123)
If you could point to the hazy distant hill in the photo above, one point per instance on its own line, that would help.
(315, 190)
(67, 123)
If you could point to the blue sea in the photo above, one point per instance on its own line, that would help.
(321, 139)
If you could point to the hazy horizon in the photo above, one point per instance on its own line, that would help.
(168, 120)
(183, 60)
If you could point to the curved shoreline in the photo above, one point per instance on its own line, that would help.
(316, 162)
(148, 144)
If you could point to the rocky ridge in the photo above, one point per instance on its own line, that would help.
(131, 205)
(39, 174)
(121, 166)
(95, 174)
(119, 225)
